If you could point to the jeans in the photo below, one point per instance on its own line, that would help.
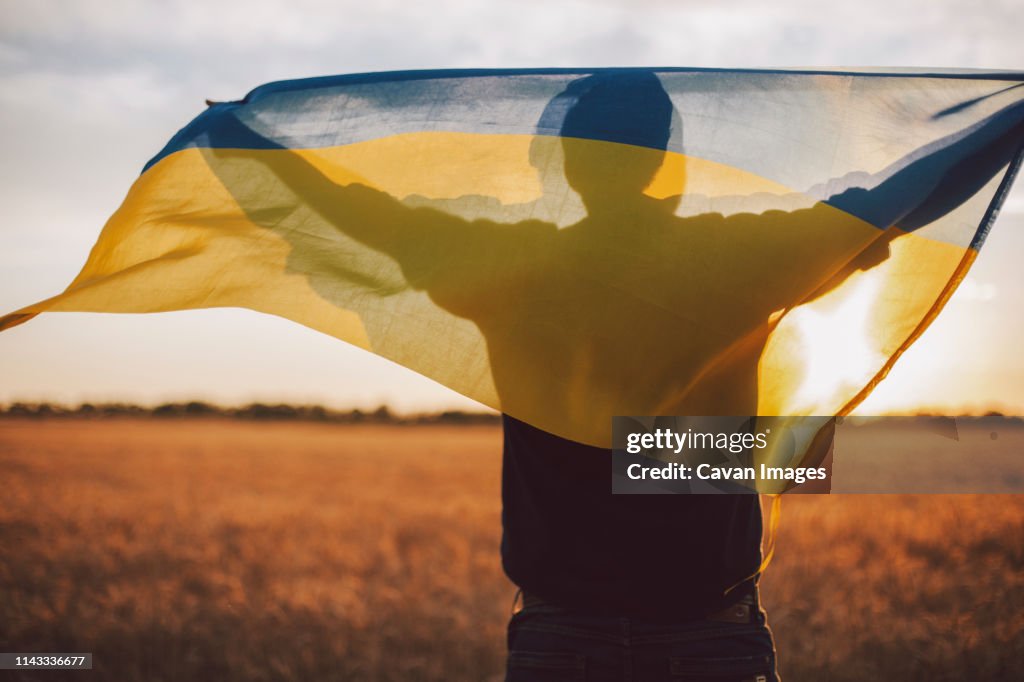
(548, 643)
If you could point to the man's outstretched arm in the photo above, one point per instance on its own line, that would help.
(349, 203)
(458, 262)
(936, 179)
(815, 250)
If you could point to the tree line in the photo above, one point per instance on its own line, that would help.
(252, 411)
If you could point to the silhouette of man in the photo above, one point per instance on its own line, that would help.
(631, 310)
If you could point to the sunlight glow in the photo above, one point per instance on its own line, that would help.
(837, 350)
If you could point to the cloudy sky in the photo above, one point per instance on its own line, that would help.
(91, 90)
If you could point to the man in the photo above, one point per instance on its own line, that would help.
(631, 309)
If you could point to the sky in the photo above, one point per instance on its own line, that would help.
(89, 91)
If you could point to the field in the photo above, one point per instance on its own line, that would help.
(194, 549)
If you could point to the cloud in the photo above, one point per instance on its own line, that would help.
(331, 37)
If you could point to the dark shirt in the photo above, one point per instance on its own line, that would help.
(569, 541)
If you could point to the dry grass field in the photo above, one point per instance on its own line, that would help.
(208, 549)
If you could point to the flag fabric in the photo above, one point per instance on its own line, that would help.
(568, 245)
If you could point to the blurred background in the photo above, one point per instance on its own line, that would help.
(200, 547)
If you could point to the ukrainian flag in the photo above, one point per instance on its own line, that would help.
(568, 245)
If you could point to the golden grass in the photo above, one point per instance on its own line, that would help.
(212, 549)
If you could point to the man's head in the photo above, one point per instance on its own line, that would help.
(615, 128)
